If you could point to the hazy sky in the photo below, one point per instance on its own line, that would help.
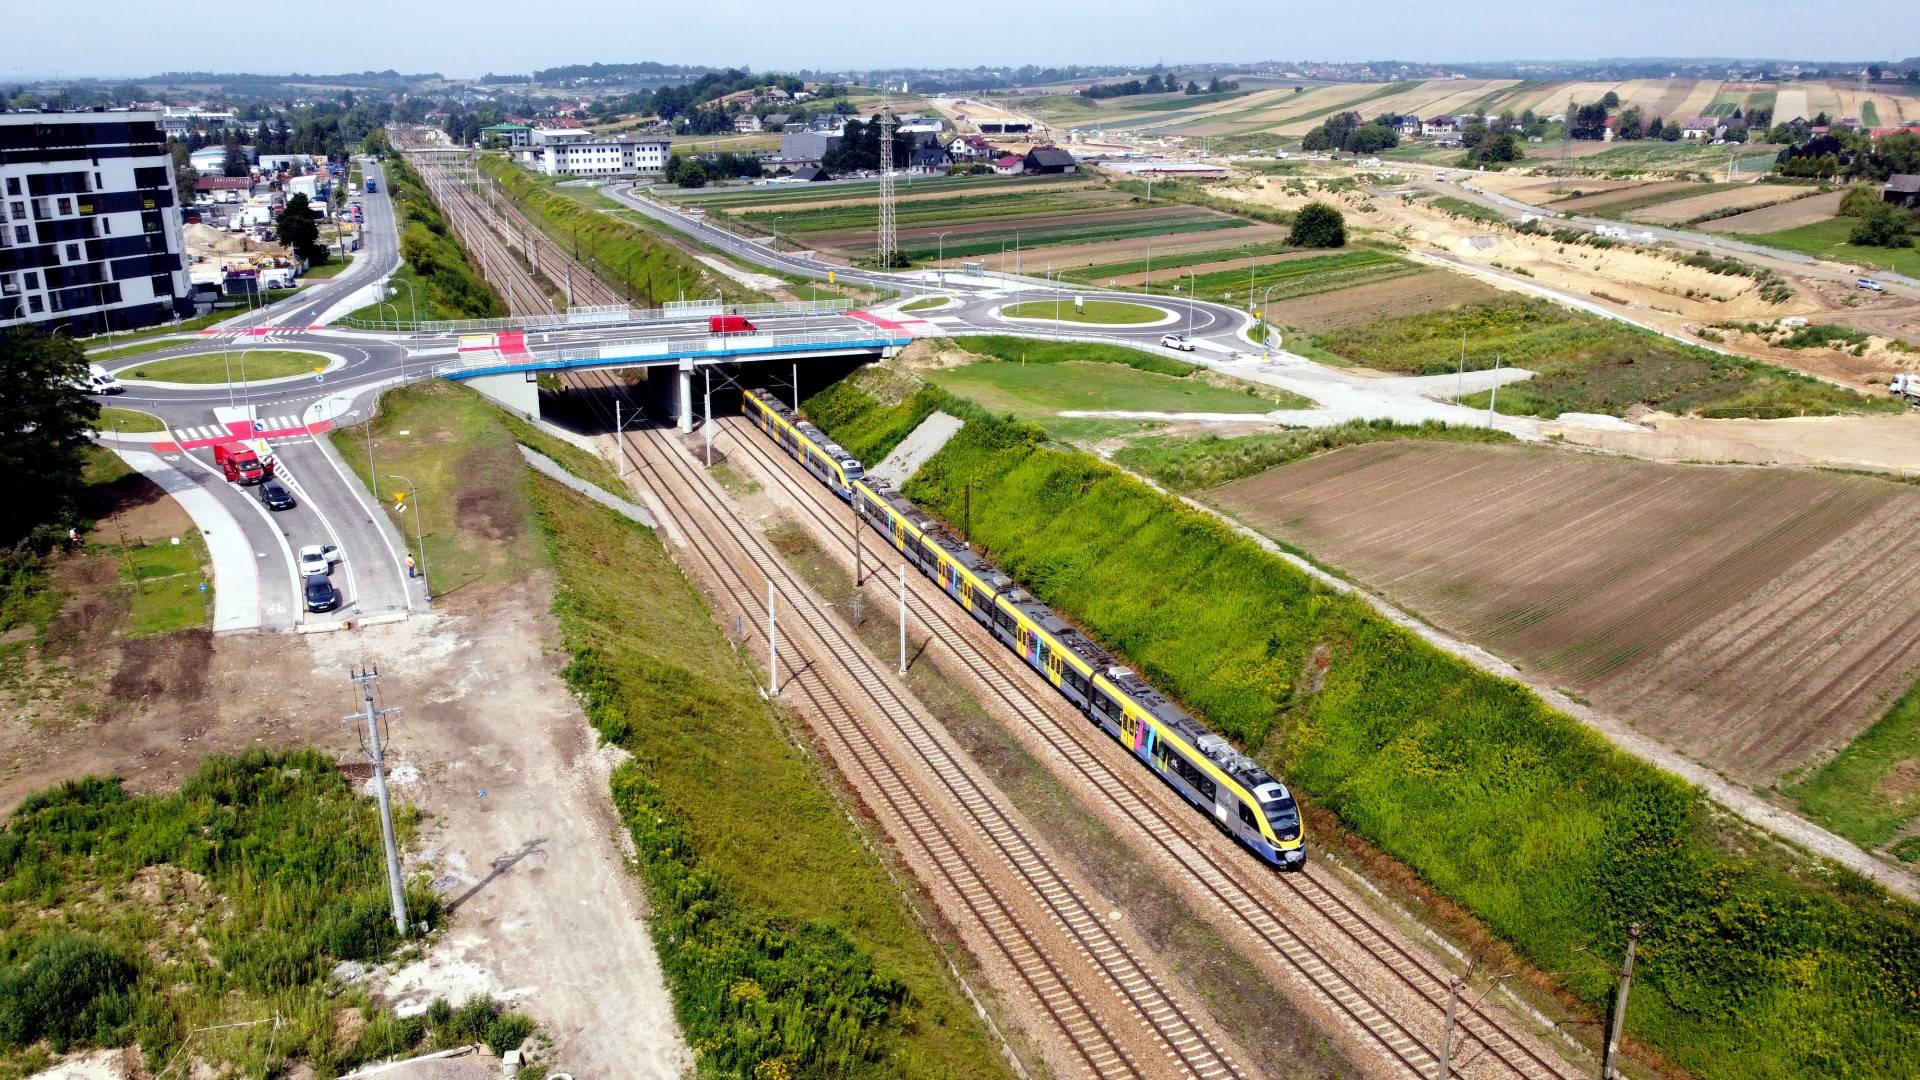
(138, 37)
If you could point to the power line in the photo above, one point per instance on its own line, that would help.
(372, 716)
(889, 241)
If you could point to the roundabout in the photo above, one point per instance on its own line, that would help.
(1063, 312)
(256, 367)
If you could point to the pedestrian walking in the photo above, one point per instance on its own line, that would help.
(410, 572)
(73, 539)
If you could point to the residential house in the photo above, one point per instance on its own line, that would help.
(1440, 125)
(1407, 126)
(1050, 159)
(1902, 189)
(511, 134)
(971, 148)
(746, 123)
(601, 157)
(1010, 165)
(929, 161)
(1700, 127)
(810, 174)
(773, 121)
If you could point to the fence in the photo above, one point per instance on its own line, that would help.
(667, 349)
(605, 315)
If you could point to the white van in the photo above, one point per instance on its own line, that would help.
(99, 382)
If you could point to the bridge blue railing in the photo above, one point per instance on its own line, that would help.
(612, 354)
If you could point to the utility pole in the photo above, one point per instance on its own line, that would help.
(1446, 1031)
(1460, 380)
(707, 403)
(1607, 1065)
(618, 432)
(1493, 396)
(372, 716)
(903, 620)
(889, 240)
(855, 503)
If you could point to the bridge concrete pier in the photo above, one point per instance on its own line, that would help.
(517, 390)
(684, 401)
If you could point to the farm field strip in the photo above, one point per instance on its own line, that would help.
(1611, 199)
(1410, 294)
(1752, 617)
(1791, 105)
(941, 211)
(923, 190)
(924, 243)
(1174, 260)
(1749, 196)
(1789, 215)
(1127, 252)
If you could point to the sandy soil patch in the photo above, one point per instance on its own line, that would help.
(1751, 618)
(1225, 264)
(1787, 215)
(1116, 251)
(1541, 190)
(1753, 196)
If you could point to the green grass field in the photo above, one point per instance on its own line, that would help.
(959, 210)
(1038, 392)
(184, 326)
(1828, 240)
(329, 269)
(114, 418)
(218, 367)
(1533, 823)
(163, 582)
(1688, 158)
(1093, 312)
(926, 303)
(138, 348)
(1583, 363)
(1870, 114)
(1196, 462)
(736, 198)
(1858, 794)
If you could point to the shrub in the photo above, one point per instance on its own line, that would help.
(1318, 225)
(1883, 226)
(67, 988)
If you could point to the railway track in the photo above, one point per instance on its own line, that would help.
(740, 561)
(1492, 1041)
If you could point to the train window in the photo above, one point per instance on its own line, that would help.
(1162, 752)
(1246, 818)
(1000, 616)
(1206, 788)
(1078, 684)
(1105, 704)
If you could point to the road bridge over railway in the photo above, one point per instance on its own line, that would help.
(505, 366)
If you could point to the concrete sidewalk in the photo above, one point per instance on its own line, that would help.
(551, 469)
(236, 577)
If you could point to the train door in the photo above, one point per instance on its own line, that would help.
(966, 592)
(1051, 658)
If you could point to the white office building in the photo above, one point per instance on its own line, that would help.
(89, 233)
(599, 157)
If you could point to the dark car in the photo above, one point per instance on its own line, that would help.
(321, 595)
(275, 496)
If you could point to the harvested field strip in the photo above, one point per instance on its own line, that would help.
(1409, 294)
(1638, 195)
(1736, 598)
(1172, 261)
(1115, 252)
(1717, 201)
(955, 210)
(1291, 278)
(817, 197)
(727, 197)
(1069, 233)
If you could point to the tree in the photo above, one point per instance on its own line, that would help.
(1630, 125)
(1194, 87)
(185, 176)
(1873, 72)
(1610, 100)
(1372, 138)
(1318, 225)
(1340, 125)
(236, 163)
(1672, 132)
(1656, 129)
(1898, 153)
(300, 232)
(44, 419)
(1883, 226)
(1316, 139)
(692, 174)
(1860, 201)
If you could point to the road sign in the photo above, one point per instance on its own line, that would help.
(203, 586)
(319, 378)
(830, 277)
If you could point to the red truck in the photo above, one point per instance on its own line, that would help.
(240, 464)
(729, 324)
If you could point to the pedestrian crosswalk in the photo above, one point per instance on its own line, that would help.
(266, 425)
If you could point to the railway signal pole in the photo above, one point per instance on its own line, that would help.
(1446, 1032)
(372, 716)
(903, 620)
(773, 643)
(1608, 1068)
(857, 546)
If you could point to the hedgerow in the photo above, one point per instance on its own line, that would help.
(1752, 963)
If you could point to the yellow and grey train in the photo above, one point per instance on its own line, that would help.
(1241, 798)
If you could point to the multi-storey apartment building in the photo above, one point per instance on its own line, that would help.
(89, 231)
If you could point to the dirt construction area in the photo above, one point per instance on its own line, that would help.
(1752, 619)
(518, 837)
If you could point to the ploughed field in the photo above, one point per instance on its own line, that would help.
(1752, 618)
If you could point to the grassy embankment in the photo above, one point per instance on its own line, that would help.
(138, 348)
(114, 418)
(1753, 963)
(218, 367)
(1092, 312)
(1583, 363)
(1829, 240)
(628, 257)
(787, 948)
(178, 921)
(1864, 793)
(108, 346)
(445, 283)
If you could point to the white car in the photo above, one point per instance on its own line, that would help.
(318, 559)
(1869, 284)
(1177, 341)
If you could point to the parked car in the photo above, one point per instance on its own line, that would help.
(1177, 341)
(99, 382)
(1870, 285)
(274, 496)
(321, 595)
(318, 559)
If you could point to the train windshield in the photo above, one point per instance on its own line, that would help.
(1276, 802)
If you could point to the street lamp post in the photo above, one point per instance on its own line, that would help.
(940, 255)
(413, 300)
(419, 528)
(1193, 286)
(1266, 328)
(246, 391)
